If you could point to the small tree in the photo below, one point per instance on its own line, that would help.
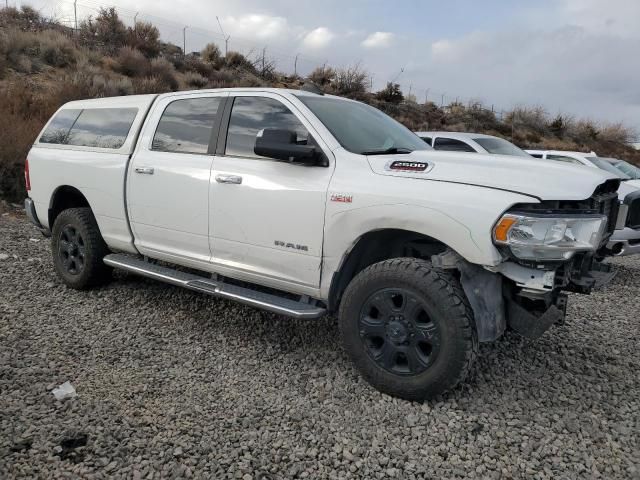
(391, 93)
(211, 54)
(144, 37)
(322, 76)
(107, 30)
(350, 81)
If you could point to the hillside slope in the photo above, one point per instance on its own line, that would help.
(43, 64)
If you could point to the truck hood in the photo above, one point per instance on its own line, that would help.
(543, 179)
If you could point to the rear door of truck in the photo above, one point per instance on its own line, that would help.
(168, 178)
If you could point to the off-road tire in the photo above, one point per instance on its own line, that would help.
(449, 314)
(88, 249)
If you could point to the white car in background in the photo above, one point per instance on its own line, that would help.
(471, 142)
(628, 169)
(589, 160)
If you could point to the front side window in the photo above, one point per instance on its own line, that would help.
(362, 129)
(427, 140)
(186, 125)
(499, 146)
(251, 115)
(536, 155)
(452, 145)
(102, 127)
(58, 129)
(628, 169)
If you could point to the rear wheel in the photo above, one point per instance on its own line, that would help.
(408, 328)
(78, 249)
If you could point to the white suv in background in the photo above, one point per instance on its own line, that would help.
(471, 142)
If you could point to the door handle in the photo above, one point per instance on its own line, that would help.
(233, 179)
(145, 170)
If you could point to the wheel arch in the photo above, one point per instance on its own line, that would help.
(375, 246)
(62, 198)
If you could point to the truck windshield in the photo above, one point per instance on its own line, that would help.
(499, 146)
(362, 129)
(604, 165)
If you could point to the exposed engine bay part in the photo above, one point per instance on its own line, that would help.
(529, 279)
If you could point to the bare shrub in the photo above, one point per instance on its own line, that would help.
(57, 50)
(193, 79)
(164, 72)
(144, 37)
(223, 79)
(238, 61)
(149, 85)
(616, 133)
(322, 76)
(131, 62)
(194, 64)
(350, 81)
(528, 118)
(211, 54)
(106, 31)
(26, 19)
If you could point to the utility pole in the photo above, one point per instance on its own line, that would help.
(295, 66)
(135, 20)
(226, 38)
(442, 103)
(264, 50)
(184, 41)
(75, 13)
(426, 95)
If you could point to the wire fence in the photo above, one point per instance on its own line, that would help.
(191, 37)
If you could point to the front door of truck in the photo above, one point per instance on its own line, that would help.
(266, 216)
(168, 178)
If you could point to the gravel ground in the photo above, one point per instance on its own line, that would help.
(176, 384)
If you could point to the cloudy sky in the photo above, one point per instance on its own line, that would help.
(578, 57)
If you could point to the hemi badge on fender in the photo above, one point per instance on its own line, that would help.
(340, 197)
(408, 166)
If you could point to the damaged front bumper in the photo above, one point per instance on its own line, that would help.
(526, 299)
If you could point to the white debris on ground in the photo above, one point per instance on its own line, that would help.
(64, 391)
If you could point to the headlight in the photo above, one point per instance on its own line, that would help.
(548, 237)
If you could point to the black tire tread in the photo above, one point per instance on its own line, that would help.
(458, 308)
(96, 272)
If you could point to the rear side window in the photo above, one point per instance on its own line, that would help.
(452, 145)
(91, 127)
(186, 125)
(58, 130)
(102, 127)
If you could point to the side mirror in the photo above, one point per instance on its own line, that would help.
(281, 145)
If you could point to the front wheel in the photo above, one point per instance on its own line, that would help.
(78, 249)
(408, 328)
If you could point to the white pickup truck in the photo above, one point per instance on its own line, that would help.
(305, 204)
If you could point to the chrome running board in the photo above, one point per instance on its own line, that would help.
(253, 298)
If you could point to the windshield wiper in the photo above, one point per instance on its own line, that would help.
(388, 151)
